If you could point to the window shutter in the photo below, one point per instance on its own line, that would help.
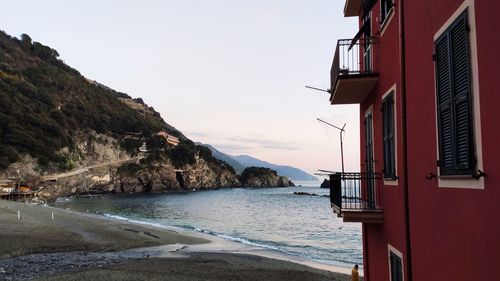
(391, 144)
(459, 45)
(444, 100)
(388, 135)
(399, 269)
(456, 154)
(396, 267)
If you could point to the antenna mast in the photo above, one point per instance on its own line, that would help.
(342, 131)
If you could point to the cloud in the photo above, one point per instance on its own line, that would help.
(263, 143)
(238, 144)
(198, 134)
(232, 148)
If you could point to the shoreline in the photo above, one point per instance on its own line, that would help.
(77, 235)
(221, 245)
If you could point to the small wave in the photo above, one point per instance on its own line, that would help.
(116, 217)
(64, 199)
(205, 231)
(247, 242)
(259, 244)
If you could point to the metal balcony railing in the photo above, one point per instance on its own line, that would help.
(354, 192)
(352, 57)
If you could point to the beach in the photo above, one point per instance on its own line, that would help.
(55, 244)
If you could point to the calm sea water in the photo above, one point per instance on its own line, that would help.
(273, 218)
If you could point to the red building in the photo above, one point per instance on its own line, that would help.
(424, 75)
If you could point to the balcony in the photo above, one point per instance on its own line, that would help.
(352, 75)
(352, 8)
(353, 197)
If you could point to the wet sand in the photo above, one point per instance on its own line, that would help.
(81, 246)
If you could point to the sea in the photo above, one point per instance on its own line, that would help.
(275, 219)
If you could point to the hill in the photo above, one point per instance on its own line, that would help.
(241, 162)
(54, 120)
(44, 103)
(237, 166)
(288, 171)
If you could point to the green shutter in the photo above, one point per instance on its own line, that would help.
(453, 100)
(444, 100)
(459, 46)
(388, 137)
(396, 267)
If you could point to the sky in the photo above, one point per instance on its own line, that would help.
(230, 73)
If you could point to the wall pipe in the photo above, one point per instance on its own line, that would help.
(404, 119)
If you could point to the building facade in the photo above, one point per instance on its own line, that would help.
(423, 74)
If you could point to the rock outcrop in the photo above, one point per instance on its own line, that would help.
(105, 168)
(263, 177)
(325, 184)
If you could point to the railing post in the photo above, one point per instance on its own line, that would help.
(336, 190)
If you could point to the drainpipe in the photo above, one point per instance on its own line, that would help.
(402, 52)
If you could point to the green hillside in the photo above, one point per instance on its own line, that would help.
(45, 104)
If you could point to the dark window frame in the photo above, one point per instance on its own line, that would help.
(386, 9)
(456, 142)
(389, 137)
(367, 48)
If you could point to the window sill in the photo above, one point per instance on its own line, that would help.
(460, 181)
(391, 181)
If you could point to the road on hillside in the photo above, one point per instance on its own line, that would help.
(86, 169)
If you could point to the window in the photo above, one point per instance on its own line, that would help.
(367, 33)
(385, 9)
(454, 105)
(388, 135)
(396, 267)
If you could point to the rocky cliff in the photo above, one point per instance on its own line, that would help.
(113, 170)
(263, 177)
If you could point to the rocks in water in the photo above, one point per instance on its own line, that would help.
(285, 182)
(309, 194)
(263, 177)
(325, 184)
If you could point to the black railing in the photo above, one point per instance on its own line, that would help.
(352, 57)
(354, 191)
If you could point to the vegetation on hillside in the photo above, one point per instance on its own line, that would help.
(206, 154)
(44, 103)
(258, 172)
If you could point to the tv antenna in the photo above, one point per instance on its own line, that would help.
(342, 131)
(318, 89)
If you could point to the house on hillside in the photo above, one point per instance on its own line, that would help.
(424, 74)
(169, 138)
(7, 186)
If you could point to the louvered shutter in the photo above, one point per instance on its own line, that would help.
(453, 100)
(388, 136)
(396, 267)
(444, 100)
(459, 46)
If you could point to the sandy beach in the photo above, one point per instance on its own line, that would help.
(82, 246)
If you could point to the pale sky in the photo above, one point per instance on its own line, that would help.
(230, 73)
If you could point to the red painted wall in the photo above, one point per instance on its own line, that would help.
(386, 61)
(455, 233)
